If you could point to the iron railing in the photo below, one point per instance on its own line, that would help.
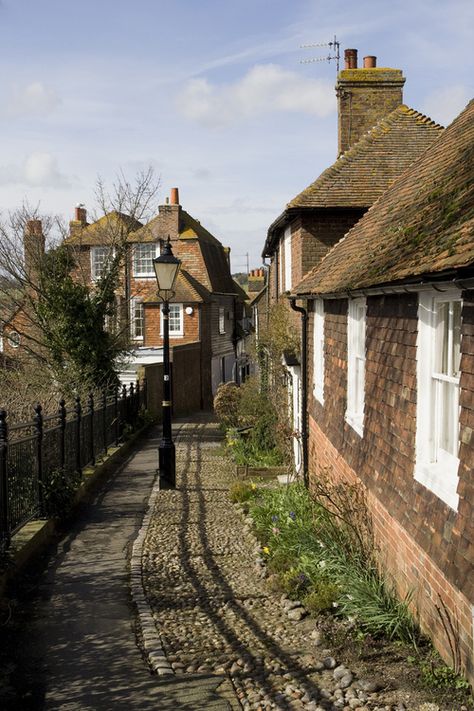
(32, 453)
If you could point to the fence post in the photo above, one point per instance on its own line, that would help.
(62, 436)
(116, 411)
(4, 502)
(104, 418)
(38, 420)
(77, 412)
(131, 412)
(145, 393)
(90, 401)
(124, 404)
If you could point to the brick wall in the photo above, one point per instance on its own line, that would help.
(364, 97)
(152, 326)
(411, 523)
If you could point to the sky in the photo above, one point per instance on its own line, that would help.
(211, 93)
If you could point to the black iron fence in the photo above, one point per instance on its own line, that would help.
(35, 454)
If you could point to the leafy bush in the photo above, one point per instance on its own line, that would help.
(242, 491)
(322, 597)
(59, 491)
(226, 404)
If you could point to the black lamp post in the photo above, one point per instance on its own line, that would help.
(166, 268)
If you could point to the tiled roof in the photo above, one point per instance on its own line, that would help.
(364, 172)
(106, 229)
(186, 290)
(423, 224)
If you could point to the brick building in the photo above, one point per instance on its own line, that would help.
(207, 303)
(379, 137)
(390, 368)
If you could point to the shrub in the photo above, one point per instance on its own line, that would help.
(294, 583)
(242, 491)
(321, 597)
(59, 491)
(226, 404)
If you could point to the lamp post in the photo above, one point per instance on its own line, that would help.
(166, 268)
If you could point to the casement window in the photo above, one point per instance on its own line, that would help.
(175, 320)
(318, 350)
(287, 250)
(438, 366)
(356, 364)
(137, 319)
(221, 319)
(143, 256)
(100, 259)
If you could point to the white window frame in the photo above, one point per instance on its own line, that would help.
(135, 305)
(435, 468)
(280, 267)
(287, 250)
(174, 332)
(221, 320)
(356, 351)
(143, 266)
(97, 269)
(318, 350)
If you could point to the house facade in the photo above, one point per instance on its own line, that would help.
(390, 380)
(379, 137)
(207, 303)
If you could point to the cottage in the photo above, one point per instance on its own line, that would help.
(390, 370)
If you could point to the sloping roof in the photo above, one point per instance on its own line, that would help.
(185, 291)
(423, 224)
(365, 171)
(106, 229)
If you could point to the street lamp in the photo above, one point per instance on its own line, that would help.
(166, 268)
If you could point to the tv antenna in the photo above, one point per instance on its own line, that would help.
(333, 52)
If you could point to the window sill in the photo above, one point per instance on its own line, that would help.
(356, 422)
(143, 276)
(441, 480)
(318, 395)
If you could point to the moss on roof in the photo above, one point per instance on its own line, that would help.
(423, 224)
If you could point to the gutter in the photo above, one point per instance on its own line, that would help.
(304, 385)
(446, 285)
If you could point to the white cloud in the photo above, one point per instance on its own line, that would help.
(32, 100)
(40, 169)
(444, 104)
(265, 88)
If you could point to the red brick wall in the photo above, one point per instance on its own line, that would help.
(383, 459)
(152, 326)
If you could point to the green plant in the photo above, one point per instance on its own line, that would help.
(226, 404)
(242, 491)
(59, 490)
(434, 673)
(321, 597)
(294, 583)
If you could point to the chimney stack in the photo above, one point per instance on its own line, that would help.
(350, 59)
(174, 198)
(80, 214)
(364, 96)
(33, 245)
(170, 215)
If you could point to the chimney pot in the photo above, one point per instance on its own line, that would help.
(174, 198)
(350, 58)
(370, 62)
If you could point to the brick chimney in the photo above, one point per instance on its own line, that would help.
(33, 245)
(364, 96)
(169, 215)
(80, 218)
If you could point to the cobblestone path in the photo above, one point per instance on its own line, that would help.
(212, 609)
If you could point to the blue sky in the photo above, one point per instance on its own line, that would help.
(211, 93)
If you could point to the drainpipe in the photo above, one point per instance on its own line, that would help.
(304, 385)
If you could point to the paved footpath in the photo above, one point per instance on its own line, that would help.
(78, 648)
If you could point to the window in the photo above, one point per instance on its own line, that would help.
(280, 267)
(175, 320)
(437, 427)
(100, 257)
(287, 250)
(356, 364)
(221, 319)
(318, 350)
(143, 256)
(137, 319)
